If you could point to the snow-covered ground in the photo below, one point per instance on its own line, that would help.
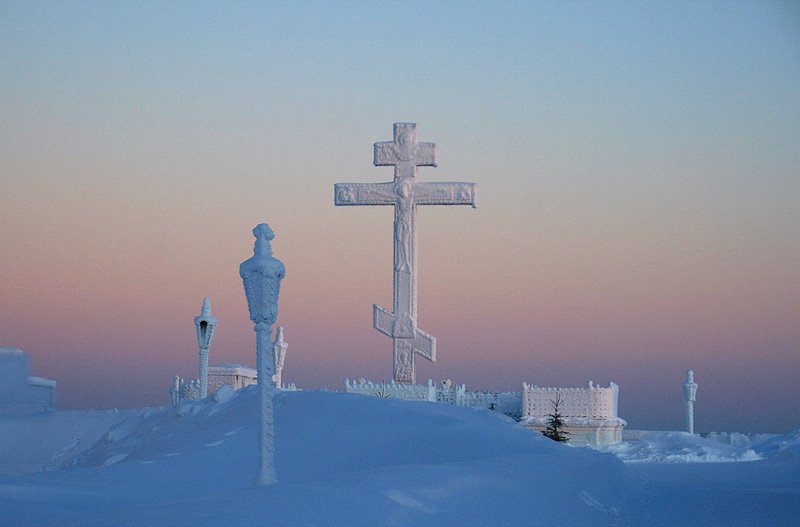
(643, 446)
(346, 459)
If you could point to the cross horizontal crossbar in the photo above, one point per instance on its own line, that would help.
(425, 193)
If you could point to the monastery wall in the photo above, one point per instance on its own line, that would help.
(590, 412)
(590, 402)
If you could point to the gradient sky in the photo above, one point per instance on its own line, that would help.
(638, 168)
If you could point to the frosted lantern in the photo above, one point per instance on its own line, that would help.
(262, 275)
(206, 325)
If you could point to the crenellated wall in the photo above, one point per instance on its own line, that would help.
(409, 392)
(589, 413)
(589, 402)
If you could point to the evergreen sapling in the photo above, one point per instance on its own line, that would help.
(555, 423)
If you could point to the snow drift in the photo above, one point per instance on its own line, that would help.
(341, 459)
(348, 459)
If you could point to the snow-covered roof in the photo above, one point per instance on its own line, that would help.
(233, 368)
(41, 381)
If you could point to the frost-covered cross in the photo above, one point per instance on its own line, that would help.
(405, 153)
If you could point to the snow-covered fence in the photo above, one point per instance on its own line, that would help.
(590, 402)
(184, 391)
(447, 394)
(509, 403)
(409, 392)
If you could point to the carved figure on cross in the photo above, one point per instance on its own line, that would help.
(405, 153)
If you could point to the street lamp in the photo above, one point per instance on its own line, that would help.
(262, 275)
(206, 324)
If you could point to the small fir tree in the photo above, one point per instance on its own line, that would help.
(555, 423)
(383, 393)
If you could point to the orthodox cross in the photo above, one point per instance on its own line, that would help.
(405, 153)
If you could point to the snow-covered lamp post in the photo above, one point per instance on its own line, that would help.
(690, 394)
(206, 324)
(262, 275)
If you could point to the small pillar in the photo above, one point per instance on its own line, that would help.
(690, 395)
(175, 391)
(279, 347)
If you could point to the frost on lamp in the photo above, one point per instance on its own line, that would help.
(206, 325)
(262, 275)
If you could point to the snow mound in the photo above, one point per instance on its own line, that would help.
(768, 446)
(737, 439)
(52, 440)
(785, 446)
(341, 459)
(676, 447)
